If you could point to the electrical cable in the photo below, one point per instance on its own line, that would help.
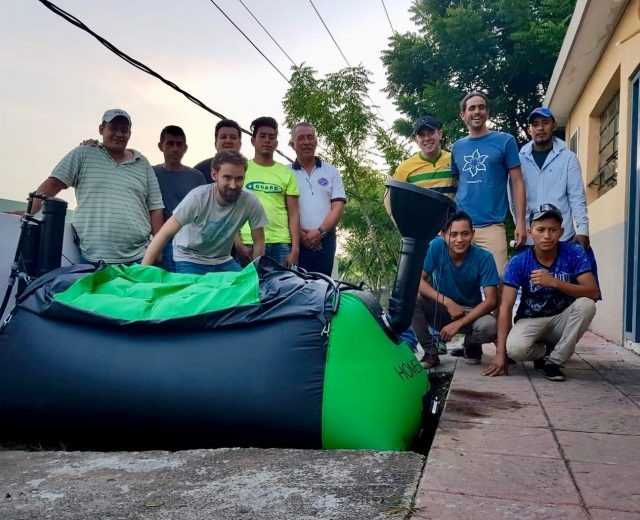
(388, 17)
(250, 41)
(268, 33)
(330, 34)
(137, 64)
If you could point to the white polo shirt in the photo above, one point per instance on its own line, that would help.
(318, 190)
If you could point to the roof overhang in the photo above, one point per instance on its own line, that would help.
(591, 27)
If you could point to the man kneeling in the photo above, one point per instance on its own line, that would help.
(557, 301)
(454, 275)
(208, 218)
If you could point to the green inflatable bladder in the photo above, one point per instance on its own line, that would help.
(373, 388)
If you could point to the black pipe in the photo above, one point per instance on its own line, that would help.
(51, 235)
(403, 298)
(419, 215)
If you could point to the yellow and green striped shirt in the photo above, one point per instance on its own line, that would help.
(426, 174)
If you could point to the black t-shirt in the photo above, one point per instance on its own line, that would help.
(204, 167)
(540, 157)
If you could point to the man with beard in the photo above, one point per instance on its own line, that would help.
(486, 162)
(119, 200)
(552, 175)
(208, 218)
(227, 137)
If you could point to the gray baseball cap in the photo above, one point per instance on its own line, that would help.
(111, 114)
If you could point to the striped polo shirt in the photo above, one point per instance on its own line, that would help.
(436, 175)
(114, 200)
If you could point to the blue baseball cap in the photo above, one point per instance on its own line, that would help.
(540, 112)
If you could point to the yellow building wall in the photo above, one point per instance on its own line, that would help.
(607, 213)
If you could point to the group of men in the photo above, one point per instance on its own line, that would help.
(467, 279)
(214, 217)
(227, 210)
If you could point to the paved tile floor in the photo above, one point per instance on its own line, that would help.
(523, 448)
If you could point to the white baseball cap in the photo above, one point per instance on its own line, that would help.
(111, 114)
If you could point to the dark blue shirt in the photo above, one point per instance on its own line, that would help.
(461, 283)
(482, 165)
(537, 301)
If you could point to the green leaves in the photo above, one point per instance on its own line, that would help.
(506, 48)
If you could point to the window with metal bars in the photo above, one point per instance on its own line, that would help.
(607, 176)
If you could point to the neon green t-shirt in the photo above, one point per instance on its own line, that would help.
(271, 184)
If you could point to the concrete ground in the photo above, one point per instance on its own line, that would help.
(526, 448)
(224, 484)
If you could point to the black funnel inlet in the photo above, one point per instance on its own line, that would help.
(419, 214)
(51, 235)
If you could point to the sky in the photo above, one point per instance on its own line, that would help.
(57, 80)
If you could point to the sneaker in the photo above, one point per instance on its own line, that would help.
(441, 346)
(457, 352)
(538, 364)
(473, 353)
(430, 360)
(552, 372)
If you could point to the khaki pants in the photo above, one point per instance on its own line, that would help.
(528, 337)
(494, 239)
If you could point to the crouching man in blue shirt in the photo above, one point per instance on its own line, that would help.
(454, 276)
(557, 302)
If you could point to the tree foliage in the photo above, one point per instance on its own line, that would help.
(506, 48)
(347, 128)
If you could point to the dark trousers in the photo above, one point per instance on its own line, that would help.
(320, 261)
(431, 313)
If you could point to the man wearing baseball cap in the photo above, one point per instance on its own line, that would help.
(431, 166)
(119, 200)
(552, 174)
(557, 302)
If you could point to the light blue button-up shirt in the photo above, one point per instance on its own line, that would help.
(559, 182)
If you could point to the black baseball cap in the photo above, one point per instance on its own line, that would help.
(545, 211)
(431, 122)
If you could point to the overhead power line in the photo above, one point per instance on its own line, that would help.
(388, 17)
(250, 41)
(137, 64)
(268, 33)
(330, 34)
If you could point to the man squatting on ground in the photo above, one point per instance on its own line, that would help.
(484, 161)
(557, 301)
(119, 201)
(175, 179)
(322, 200)
(454, 276)
(276, 188)
(227, 137)
(208, 218)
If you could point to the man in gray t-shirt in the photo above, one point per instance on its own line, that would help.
(175, 179)
(208, 218)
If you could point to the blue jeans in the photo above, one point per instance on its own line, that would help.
(193, 268)
(319, 261)
(279, 252)
(167, 258)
